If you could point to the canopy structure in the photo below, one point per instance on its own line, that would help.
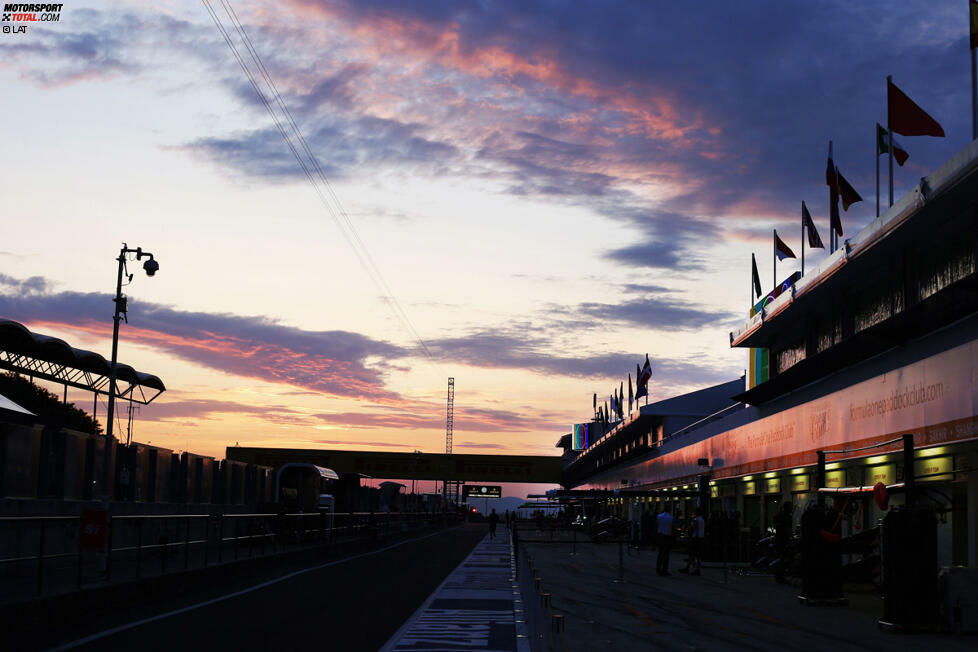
(49, 358)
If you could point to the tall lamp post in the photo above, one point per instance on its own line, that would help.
(121, 309)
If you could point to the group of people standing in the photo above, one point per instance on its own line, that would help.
(665, 528)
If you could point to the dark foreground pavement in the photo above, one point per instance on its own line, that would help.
(474, 609)
(355, 602)
(714, 611)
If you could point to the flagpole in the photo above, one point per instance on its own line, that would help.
(803, 241)
(831, 208)
(889, 135)
(774, 248)
(753, 264)
(876, 148)
(974, 88)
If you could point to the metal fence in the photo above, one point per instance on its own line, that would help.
(41, 555)
(544, 628)
(736, 546)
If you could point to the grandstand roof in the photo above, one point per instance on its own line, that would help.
(50, 358)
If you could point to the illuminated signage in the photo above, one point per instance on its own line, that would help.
(801, 482)
(714, 492)
(885, 473)
(750, 488)
(835, 479)
(482, 491)
(772, 486)
(582, 436)
(933, 466)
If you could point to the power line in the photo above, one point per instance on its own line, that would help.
(339, 215)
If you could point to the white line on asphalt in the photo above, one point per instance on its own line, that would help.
(393, 640)
(175, 612)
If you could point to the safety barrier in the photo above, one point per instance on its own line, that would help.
(41, 555)
(544, 628)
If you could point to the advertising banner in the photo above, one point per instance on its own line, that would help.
(936, 399)
(582, 436)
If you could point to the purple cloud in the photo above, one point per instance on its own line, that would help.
(330, 362)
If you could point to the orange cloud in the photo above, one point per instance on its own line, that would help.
(650, 112)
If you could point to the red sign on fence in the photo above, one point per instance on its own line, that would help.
(94, 525)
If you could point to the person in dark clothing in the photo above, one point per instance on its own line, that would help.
(697, 538)
(782, 540)
(666, 535)
(493, 522)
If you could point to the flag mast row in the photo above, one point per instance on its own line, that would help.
(903, 116)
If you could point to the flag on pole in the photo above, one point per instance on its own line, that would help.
(631, 397)
(814, 241)
(899, 153)
(832, 181)
(643, 379)
(973, 7)
(755, 275)
(781, 250)
(847, 193)
(904, 117)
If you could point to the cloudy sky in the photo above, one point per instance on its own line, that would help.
(526, 196)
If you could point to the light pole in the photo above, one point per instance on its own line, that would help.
(122, 308)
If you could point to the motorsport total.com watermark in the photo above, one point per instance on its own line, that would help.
(22, 13)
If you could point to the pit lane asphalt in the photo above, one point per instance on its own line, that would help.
(354, 602)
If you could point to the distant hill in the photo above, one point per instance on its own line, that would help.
(499, 504)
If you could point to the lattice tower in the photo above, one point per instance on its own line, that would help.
(450, 416)
(452, 487)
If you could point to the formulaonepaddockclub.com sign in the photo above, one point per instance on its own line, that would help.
(936, 399)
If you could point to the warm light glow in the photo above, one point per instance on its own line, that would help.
(877, 459)
(747, 478)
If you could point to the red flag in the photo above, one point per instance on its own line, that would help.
(906, 118)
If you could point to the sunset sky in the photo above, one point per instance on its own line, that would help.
(550, 190)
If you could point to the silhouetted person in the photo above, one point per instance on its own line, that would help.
(493, 522)
(697, 537)
(664, 527)
(782, 539)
